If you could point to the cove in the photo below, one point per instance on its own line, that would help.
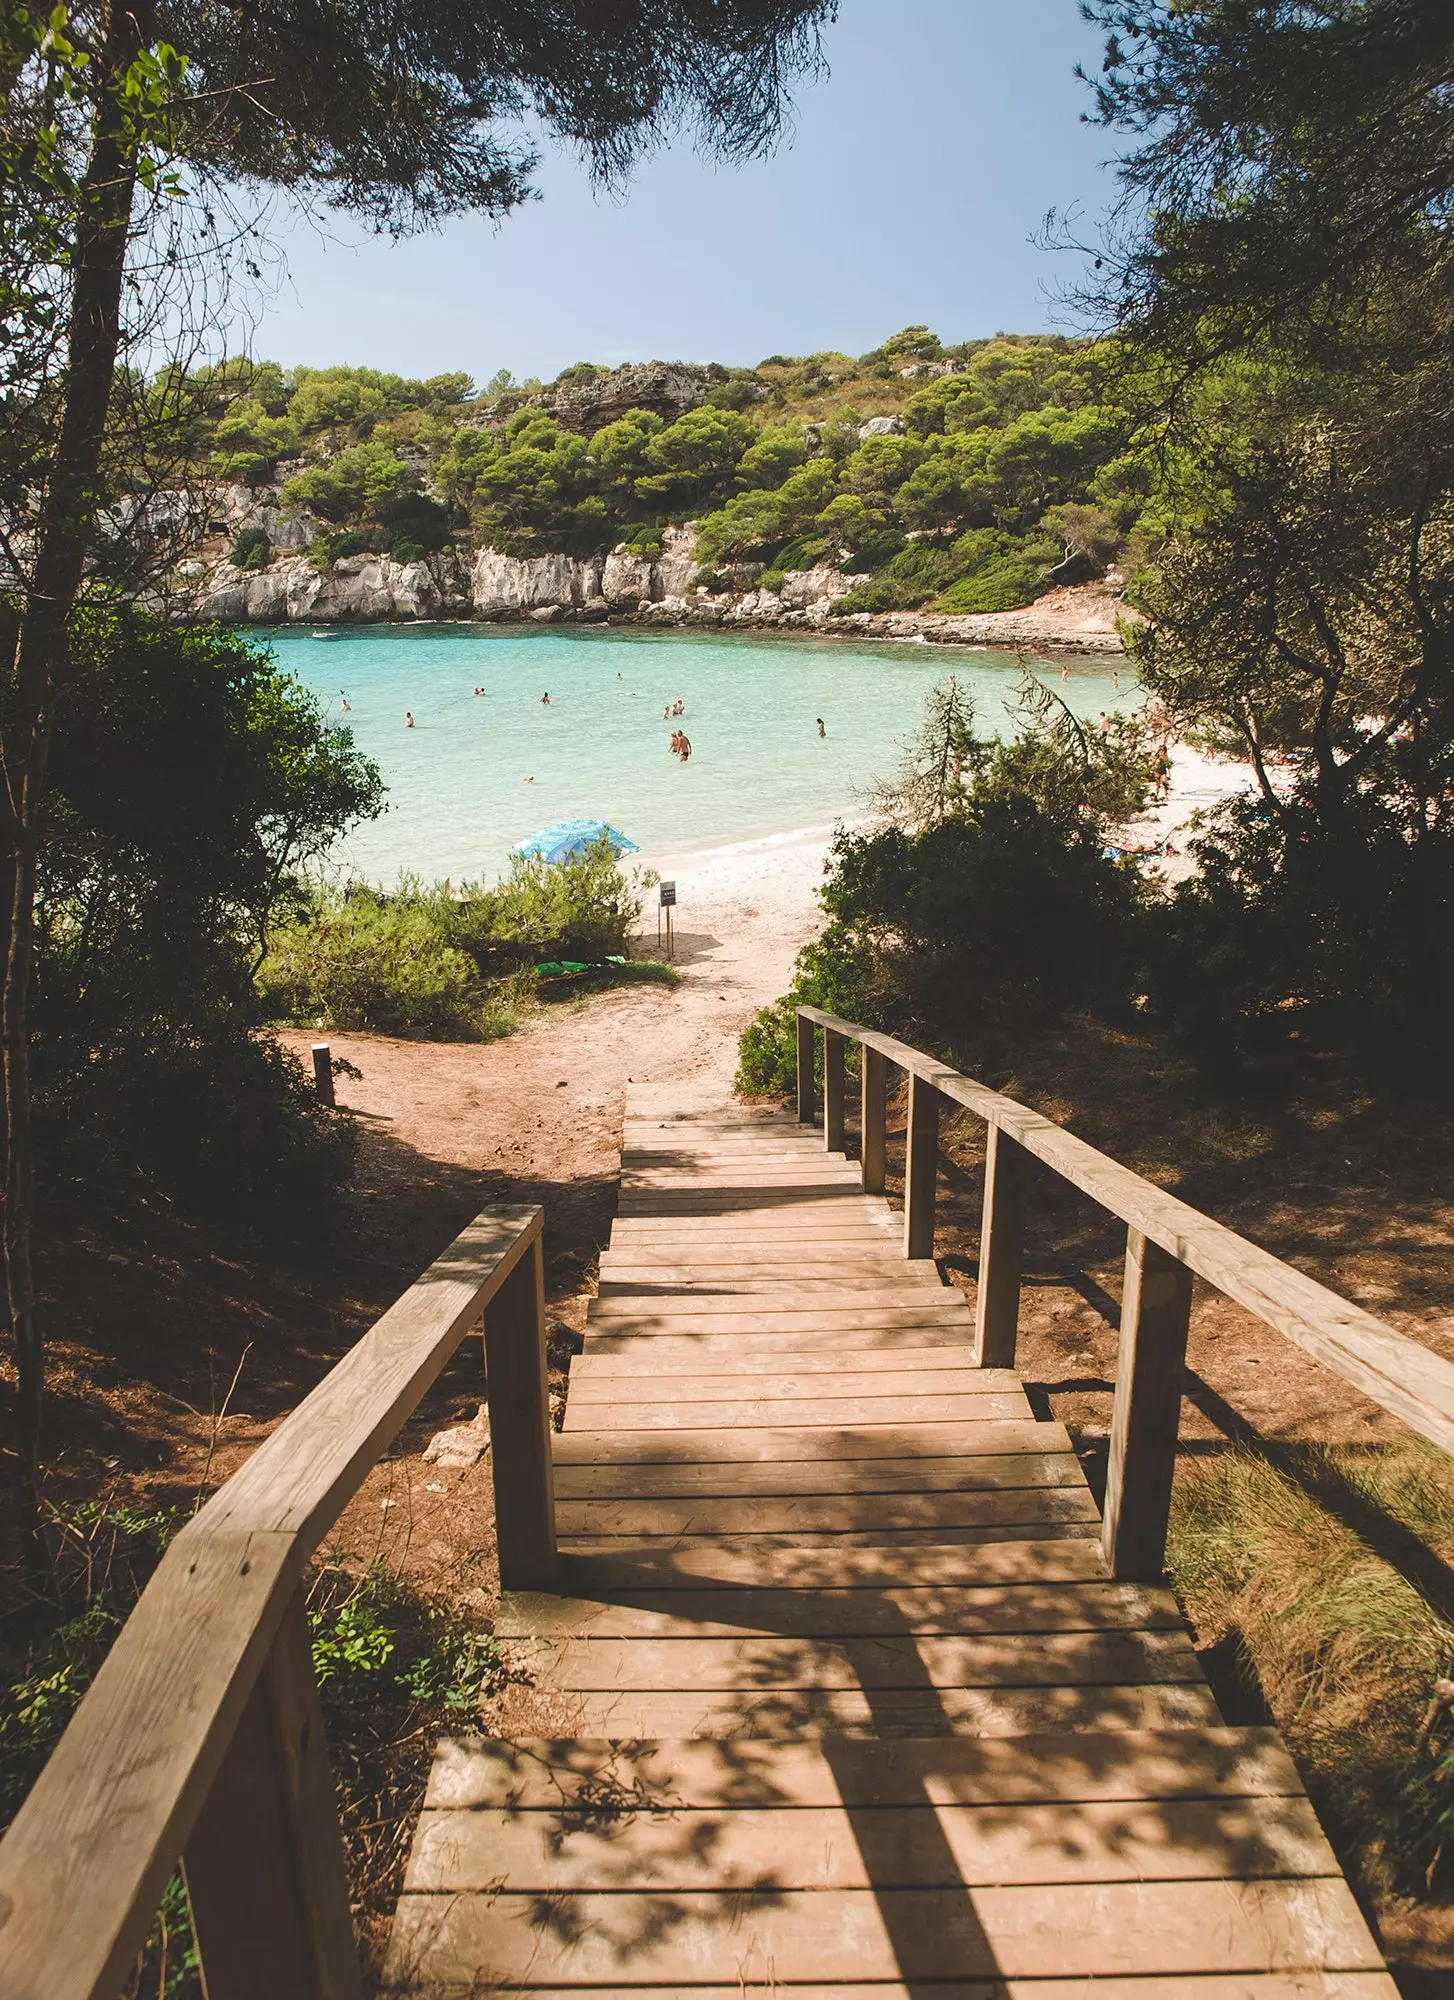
(456, 780)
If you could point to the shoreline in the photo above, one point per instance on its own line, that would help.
(375, 592)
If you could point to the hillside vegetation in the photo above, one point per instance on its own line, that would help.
(967, 478)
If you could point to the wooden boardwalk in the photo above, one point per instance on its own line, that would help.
(854, 1706)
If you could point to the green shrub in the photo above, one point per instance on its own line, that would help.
(252, 549)
(1005, 586)
(453, 965)
(644, 541)
(772, 579)
(385, 963)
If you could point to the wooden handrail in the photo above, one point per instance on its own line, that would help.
(1389, 1368)
(200, 1738)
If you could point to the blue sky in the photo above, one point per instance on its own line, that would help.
(908, 188)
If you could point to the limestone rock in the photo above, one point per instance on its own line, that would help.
(626, 579)
(463, 1444)
(878, 427)
(502, 585)
(675, 569)
(665, 387)
(805, 587)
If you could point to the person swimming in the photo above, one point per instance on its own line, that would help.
(345, 704)
(408, 719)
(821, 730)
(545, 701)
(479, 690)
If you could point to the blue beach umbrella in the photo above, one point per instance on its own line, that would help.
(565, 837)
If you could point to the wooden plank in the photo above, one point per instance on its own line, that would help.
(1001, 1251)
(771, 1937)
(647, 1358)
(789, 1272)
(884, 1290)
(1201, 1986)
(1155, 1316)
(915, 1438)
(1033, 1507)
(822, 1476)
(1056, 1559)
(874, 1073)
(1400, 1374)
(264, 1862)
(807, 1110)
(724, 1614)
(869, 1538)
(789, 1310)
(769, 1414)
(873, 1661)
(300, 1478)
(881, 1847)
(833, 1088)
(921, 1169)
(520, 1427)
(539, 1775)
(734, 1385)
(784, 1714)
(101, 1830)
(661, 1349)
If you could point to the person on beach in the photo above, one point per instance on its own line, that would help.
(821, 730)
(1161, 773)
(408, 719)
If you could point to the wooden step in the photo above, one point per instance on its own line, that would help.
(766, 1412)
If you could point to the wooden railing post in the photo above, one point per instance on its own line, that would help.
(264, 1863)
(921, 1169)
(1155, 1315)
(1001, 1249)
(519, 1404)
(807, 1108)
(875, 1070)
(833, 1053)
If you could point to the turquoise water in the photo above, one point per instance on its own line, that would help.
(457, 796)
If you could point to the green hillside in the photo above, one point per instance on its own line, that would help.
(967, 478)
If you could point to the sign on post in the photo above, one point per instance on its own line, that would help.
(667, 903)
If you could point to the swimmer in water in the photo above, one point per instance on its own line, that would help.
(479, 690)
(684, 746)
(527, 781)
(821, 730)
(408, 720)
(545, 701)
(666, 713)
(346, 705)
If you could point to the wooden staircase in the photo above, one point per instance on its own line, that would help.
(855, 1704)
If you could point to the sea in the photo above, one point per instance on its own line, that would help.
(479, 771)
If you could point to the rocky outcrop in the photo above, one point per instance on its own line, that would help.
(659, 590)
(665, 387)
(357, 590)
(878, 427)
(502, 586)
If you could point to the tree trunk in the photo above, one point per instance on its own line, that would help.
(64, 531)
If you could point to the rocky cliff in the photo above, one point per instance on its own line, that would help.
(653, 590)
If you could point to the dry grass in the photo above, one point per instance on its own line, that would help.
(1317, 1581)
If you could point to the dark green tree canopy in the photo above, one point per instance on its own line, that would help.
(408, 113)
(1296, 159)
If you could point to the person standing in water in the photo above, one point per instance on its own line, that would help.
(408, 719)
(821, 730)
